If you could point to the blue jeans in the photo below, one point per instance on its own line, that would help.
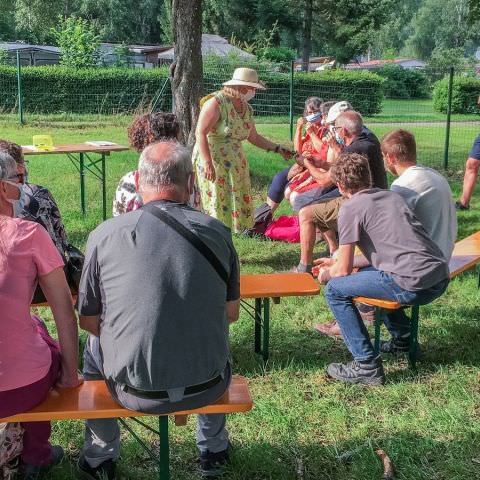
(278, 186)
(372, 283)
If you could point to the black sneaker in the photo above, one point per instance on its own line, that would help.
(34, 472)
(460, 206)
(394, 346)
(105, 471)
(367, 373)
(213, 464)
(399, 347)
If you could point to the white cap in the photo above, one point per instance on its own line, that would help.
(336, 110)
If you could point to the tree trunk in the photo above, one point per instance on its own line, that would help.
(307, 34)
(187, 73)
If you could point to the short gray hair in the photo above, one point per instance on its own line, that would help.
(164, 165)
(351, 121)
(8, 166)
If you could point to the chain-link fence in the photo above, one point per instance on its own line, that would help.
(445, 121)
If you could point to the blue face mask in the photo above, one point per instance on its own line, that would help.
(314, 117)
(17, 204)
(339, 139)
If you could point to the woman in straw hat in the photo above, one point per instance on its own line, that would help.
(223, 176)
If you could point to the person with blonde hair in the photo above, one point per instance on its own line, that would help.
(221, 167)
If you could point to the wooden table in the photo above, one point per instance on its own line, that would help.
(85, 158)
(262, 288)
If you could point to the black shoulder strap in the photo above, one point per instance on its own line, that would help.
(188, 235)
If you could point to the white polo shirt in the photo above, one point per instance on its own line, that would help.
(428, 195)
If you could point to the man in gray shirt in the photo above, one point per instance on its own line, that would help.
(158, 304)
(405, 265)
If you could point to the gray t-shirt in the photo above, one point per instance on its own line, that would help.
(391, 238)
(428, 195)
(162, 305)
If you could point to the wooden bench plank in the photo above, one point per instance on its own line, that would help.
(376, 302)
(272, 285)
(93, 400)
(458, 264)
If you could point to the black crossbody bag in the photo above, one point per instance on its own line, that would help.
(191, 238)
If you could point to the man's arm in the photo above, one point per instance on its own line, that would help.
(91, 324)
(341, 267)
(233, 310)
(321, 176)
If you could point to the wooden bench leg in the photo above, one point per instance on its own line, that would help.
(164, 460)
(258, 325)
(266, 329)
(379, 312)
(413, 347)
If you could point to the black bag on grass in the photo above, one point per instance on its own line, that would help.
(262, 218)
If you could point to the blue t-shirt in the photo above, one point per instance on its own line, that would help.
(475, 151)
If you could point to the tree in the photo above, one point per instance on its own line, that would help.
(307, 33)
(78, 42)
(443, 25)
(165, 20)
(35, 19)
(7, 19)
(187, 72)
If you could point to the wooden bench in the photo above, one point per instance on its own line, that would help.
(466, 255)
(262, 288)
(92, 400)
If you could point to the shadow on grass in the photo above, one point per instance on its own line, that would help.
(449, 341)
(414, 457)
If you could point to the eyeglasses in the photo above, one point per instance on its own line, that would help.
(18, 178)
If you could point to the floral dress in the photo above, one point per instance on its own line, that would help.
(229, 197)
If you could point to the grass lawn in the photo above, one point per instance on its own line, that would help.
(303, 426)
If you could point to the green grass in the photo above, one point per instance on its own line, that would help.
(303, 426)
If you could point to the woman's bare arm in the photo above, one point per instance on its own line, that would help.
(209, 116)
(54, 286)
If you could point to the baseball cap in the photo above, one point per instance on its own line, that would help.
(337, 109)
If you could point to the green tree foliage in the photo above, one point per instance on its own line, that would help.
(35, 19)
(7, 19)
(78, 42)
(442, 25)
(165, 20)
(129, 21)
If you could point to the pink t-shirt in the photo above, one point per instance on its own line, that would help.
(26, 252)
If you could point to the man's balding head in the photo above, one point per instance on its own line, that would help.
(164, 167)
(351, 122)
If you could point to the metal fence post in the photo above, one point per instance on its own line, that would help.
(19, 90)
(292, 69)
(449, 115)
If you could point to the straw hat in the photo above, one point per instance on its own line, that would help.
(247, 77)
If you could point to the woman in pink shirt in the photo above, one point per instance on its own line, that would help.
(31, 362)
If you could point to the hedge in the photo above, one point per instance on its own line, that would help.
(404, 82)
(465, 93)
(55, 89)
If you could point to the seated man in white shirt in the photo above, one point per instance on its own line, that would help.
(427, 194)
(425, 190)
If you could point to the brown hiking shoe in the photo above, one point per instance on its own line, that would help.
(330, 329)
